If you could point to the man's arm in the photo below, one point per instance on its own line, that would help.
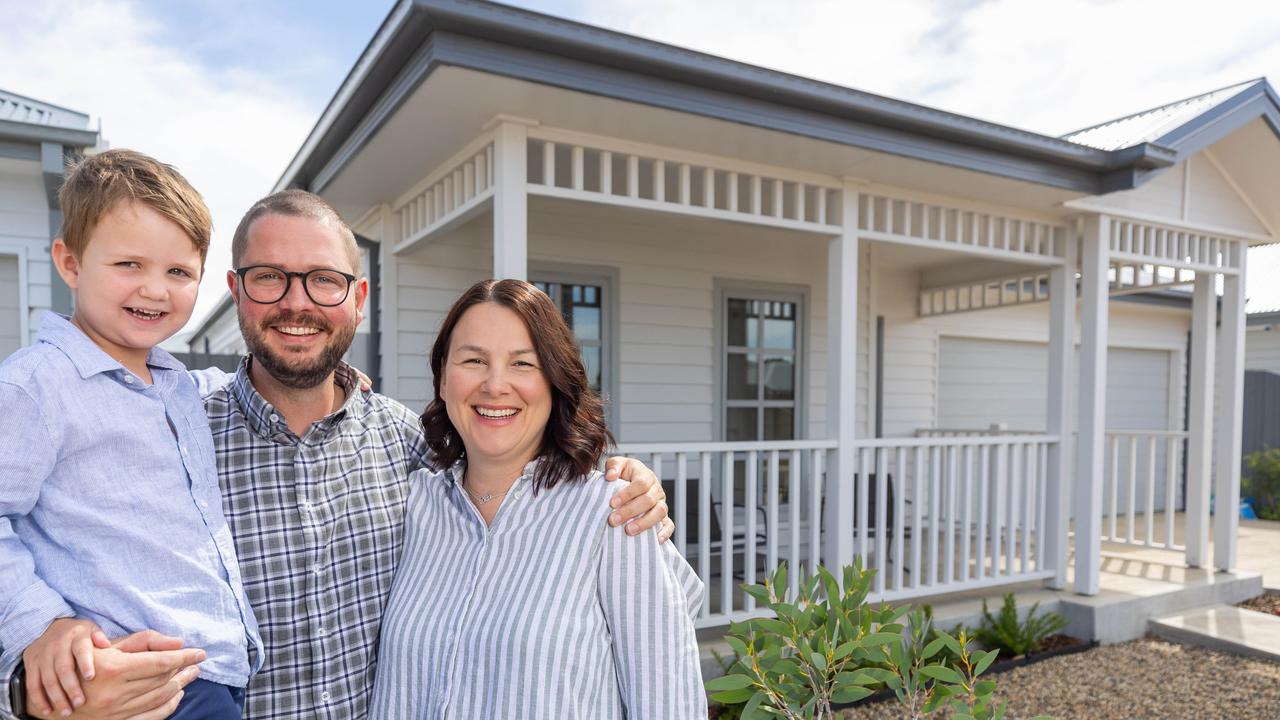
(642, 503)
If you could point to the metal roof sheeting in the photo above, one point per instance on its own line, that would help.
(1149, 126)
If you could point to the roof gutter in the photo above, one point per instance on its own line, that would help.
(420, 35)
(27, 132)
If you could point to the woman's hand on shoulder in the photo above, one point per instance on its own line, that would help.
(641, 504)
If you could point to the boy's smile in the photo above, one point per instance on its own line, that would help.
(135, 283)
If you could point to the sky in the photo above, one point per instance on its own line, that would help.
(227, 90)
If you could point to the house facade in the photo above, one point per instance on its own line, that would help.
(36, 138)
(838, 325)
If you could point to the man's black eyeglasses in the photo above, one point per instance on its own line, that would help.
(267, 284)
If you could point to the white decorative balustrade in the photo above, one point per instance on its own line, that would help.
(448, 195)
(932, 515)
(983, 294)
(1172, 247)
(1141, 487)
(931, 225)
(599, 169)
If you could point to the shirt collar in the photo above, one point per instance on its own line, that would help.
(88, 358)
(265, 420)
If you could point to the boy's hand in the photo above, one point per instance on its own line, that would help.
(642, 502)
(52, 662)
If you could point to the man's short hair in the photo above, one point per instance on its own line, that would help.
(98, 183)
(295, 203)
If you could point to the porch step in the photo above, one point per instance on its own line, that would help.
(1224, 627)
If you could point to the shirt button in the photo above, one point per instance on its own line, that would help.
(128, 378)
(325, 696)
(204, 505)
(275, 417)
(317, 569)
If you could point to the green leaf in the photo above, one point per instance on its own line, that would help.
(752, 710)
(943, 673)
(845, 648)
(850, 694)
(729, 682)
(771, 625)
(878, 674)
(932, 649)
(738, 646)
(733, 697)
(985, 662)
(819, 661)
(984, 687)
(877, 639)
(759, 592)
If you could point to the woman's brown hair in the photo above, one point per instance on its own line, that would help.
(576, 434)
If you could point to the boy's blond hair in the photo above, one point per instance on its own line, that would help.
(97, 184)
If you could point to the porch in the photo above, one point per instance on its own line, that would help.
(936, 510)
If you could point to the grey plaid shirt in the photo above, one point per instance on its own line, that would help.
(318, 527)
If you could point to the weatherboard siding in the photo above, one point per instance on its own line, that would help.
(668, 274)
(1262, 349)
(24, 223)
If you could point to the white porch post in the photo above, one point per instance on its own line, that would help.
(842, 383)
(1230, 409)
(510, 201)
(1200, 426)
(1094, 294)
(1062, 316)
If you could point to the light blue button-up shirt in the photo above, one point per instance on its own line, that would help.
(110, 508)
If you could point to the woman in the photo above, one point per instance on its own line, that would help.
(537, 609)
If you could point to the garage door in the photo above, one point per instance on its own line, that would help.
(985, 382)
(10, 312)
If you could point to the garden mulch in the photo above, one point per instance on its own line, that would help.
(1266, 603)
(1145, 678)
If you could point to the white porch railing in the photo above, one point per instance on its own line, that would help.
(932, 515)
(449, 195)
(1141, 486)
(607, 170)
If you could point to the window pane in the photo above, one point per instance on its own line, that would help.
(780, 325)
(586, 322)
(779, 424)
(741, 377)
(741, 424)
(591, 363)
(779, 378)
(742, 322)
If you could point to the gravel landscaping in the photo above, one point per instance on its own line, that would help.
(1267, 603)
(1145, 678)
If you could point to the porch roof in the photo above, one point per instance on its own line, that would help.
(419, 36)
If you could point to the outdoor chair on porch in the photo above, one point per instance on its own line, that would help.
(873, 528)
(685, 513)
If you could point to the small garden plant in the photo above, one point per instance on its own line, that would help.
(1005, 632)
(1261, 482)
(827, 646)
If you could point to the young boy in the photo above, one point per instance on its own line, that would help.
(108, 492)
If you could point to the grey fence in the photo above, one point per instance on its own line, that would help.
(1261, 411)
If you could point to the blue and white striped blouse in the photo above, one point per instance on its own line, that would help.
(546, 613)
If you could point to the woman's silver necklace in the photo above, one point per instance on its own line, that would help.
(482, 499)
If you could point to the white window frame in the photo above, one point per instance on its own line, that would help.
(775, 292)
(24, 297)
(606, 278)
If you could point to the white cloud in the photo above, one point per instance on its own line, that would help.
(229, 132)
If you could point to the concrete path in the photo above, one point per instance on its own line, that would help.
(1224, 627)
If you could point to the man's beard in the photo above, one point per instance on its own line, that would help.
(290, 369)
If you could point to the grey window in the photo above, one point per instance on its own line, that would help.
(583, 307)
(761, 376)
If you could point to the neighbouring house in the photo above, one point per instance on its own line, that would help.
(1262, 379)
(837, 324)
(36, 139)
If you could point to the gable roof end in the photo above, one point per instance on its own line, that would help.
(1189, 125)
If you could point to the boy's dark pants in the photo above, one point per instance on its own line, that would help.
(204, 700)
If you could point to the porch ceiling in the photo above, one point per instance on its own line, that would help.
(449, 109)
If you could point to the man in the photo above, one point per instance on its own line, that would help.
(312, 470)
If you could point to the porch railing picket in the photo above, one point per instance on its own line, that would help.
(926, 509)
(1133, 487)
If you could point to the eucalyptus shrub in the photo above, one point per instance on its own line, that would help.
(1261, 482)
(827, 646)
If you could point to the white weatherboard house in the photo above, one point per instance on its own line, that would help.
(838, 325)
(35, 140)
